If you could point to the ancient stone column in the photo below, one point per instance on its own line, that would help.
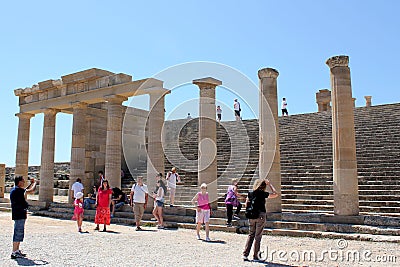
(22, 155)
(345, 181)
(207, 162)
(114, 139)
(47, 162)
(155, 152)
(78, 148)
(269, 165)
(354, 102)
(323, 98)
(368, 101)
(2, 179)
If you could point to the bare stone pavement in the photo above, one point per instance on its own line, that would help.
(54, 242)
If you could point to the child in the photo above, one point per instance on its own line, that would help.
(203, 210)
(78, 211)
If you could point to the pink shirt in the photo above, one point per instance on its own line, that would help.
(202, 201)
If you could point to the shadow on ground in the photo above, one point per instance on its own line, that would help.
(29, 262)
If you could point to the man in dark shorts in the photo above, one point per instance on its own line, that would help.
(237, 109)
(19, 207)
(284, 107)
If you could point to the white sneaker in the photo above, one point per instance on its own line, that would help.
(245, 258)
(208, 239)
(198, 237)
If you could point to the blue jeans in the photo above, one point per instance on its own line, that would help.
(87, 202)
(19, 230)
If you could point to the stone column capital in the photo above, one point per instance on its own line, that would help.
(338, 61)
(116, 99)
(24, 115)
(268, 73)
(367, 97)
(79, 104)
(207, 82)
(50, 111)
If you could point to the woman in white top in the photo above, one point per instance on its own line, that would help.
(158, 196)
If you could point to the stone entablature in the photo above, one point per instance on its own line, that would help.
(83, 81)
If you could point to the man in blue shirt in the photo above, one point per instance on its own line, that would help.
(19, 207)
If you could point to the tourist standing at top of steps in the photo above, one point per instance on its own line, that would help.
(237, 109)
(172, 178)
(284, 107)
(139, 198)
(256, 199)
(219, 113)
(203, 210)
(76, 187)
(19, 207)
(232, 200)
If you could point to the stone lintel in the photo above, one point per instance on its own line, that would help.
(88, 74)
(134, 88)
(115, 98)
(158, 91)
(79, 104)
(268, 73)
(338, 61)
(207, 81)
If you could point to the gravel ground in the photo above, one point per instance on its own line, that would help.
(54, 242)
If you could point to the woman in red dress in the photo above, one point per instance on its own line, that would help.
(103, 201)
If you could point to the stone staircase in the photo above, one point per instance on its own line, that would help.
(306, 159)
(368, 228)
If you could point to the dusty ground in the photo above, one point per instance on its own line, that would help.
(55, 242)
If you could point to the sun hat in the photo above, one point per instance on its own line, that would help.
(79, 195)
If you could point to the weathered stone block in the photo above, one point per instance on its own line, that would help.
(63, 192)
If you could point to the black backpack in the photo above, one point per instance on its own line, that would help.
(251, 211)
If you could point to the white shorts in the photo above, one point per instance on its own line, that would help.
(203, 216)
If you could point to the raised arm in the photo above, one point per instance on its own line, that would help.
(31, 188)
(274, 194)
(194, 199)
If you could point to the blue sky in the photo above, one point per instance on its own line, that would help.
(43, 40)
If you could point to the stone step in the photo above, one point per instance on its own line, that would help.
(273, 226)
